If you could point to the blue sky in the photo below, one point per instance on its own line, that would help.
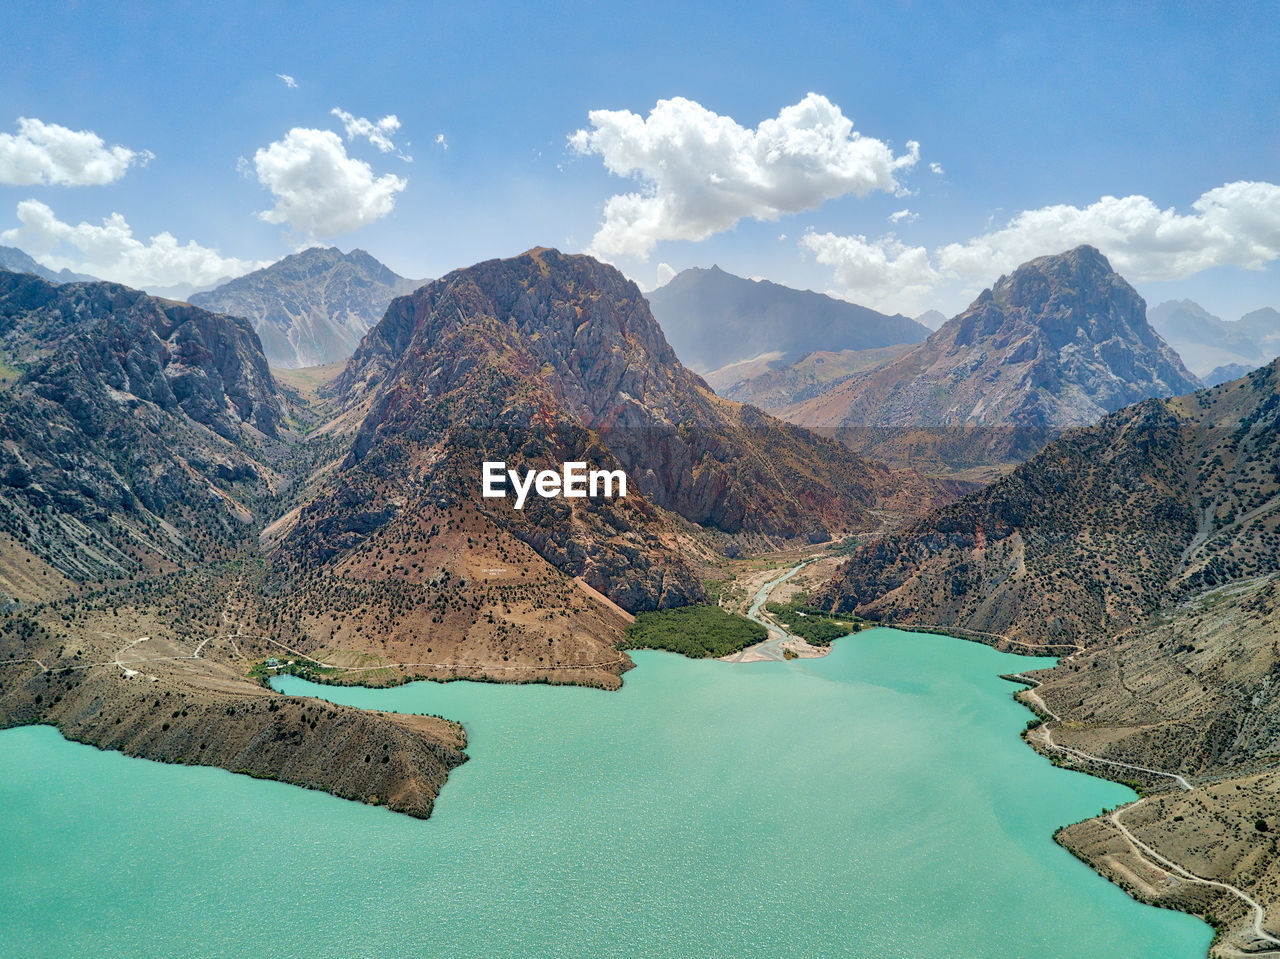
(1026, 116)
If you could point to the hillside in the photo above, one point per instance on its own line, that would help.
(311, 308)
(134, 432)
(537, 360)
(1153, 541)
(713, 319)
(1060, 342)
(1208, 342)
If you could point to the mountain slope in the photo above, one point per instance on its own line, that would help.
(1156, 502)
(1153, 541)
(132, 430)
(16, 261)
(1060, 342)
(713, 319)
(313, 307)
(1206, 342)
(535, 361)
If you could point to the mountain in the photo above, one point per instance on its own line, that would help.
(1207, 342)
(713, 319)
(141, 448)
(1226, 373)
(1263, 327)
(1060, 342)
(16, 261)
(535, 361)
(131, 428)
(776, 387)
(313, 307)
(931, 319)
(1153, 541)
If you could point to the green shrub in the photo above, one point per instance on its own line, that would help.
(693, 631)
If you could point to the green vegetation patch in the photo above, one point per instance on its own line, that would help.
(693, 631)
(815, 626)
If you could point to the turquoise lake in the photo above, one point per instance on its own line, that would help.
(877, 803)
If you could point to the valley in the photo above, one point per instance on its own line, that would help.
(198, 526)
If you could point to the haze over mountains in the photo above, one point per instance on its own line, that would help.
(16, 261)
(713, 319)
(1060, 342)
(1218, 350)
(311, 308)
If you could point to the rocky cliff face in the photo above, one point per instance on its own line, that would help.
(1103, 527)
(545, 358)
(313, 307)
(129, 426)
(1061, 342)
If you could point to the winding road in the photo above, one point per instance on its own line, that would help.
(1139, 847)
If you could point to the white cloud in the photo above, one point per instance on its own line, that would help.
(903, 215)
(376, 132)
(289, 81)
(444, 144)
(878, 273)
(666, 273)
(703, 172)
(1237, 224)
(319, 189)
(46, 153)
(936, 167)
(112, 252)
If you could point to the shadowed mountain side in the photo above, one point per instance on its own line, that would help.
(1060, 342)
(133, 430)
(713, 319)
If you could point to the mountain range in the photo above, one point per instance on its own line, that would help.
(16, 261)
(160, 485)
(313, 307)
(1218, 350)
(714, 319)
(1148, 546)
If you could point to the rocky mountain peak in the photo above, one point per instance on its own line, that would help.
(312, 307)
(1061, 341)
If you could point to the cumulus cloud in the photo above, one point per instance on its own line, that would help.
(936, 167)
(1236, 224)
(377, 132)
(112, 252)
(875, 272)
(289, 81)
(702, 172)
(319, 189)
(46, 153)
(666, 273)
(441, 141)
(900, 216)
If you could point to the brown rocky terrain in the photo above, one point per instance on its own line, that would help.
(1151, 543)
(135, 433)
(546, 358)
(1060, 342)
